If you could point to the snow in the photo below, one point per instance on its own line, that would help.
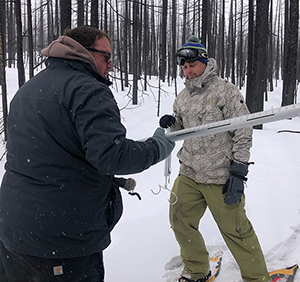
(143, 242)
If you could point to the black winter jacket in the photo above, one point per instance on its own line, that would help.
(65, 142)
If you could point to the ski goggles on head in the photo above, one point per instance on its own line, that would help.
(189, 55)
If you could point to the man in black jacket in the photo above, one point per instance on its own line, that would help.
(58, 199)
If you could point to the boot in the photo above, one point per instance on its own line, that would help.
(204, 279)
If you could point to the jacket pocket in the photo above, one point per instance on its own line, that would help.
(114, 207)
(110, 207)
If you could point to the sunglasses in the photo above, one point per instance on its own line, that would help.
(104, 53)
(186, 55)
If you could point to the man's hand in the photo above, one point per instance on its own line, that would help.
(234, 186)
(166, 121)
(165, 146)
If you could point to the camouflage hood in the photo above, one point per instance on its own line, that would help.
(196, 84)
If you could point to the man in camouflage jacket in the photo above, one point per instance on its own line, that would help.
(212, 170)
(206, 99)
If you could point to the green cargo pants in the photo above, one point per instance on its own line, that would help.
(235, 227)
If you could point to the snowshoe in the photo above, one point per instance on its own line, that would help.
(204, 279)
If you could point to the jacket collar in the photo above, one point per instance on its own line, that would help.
(80, 66)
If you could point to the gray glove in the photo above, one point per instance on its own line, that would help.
(128, 184)
(234, 186)
(165, 146)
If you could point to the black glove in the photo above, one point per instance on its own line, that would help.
(165, 146)
(234, 186)
(166, 121)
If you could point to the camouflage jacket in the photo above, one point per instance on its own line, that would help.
(206, 99)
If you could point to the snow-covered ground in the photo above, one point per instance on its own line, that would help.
(143, 242)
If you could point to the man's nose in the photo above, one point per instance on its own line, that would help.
(110, 65)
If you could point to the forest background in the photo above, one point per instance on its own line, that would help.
(255, 43)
